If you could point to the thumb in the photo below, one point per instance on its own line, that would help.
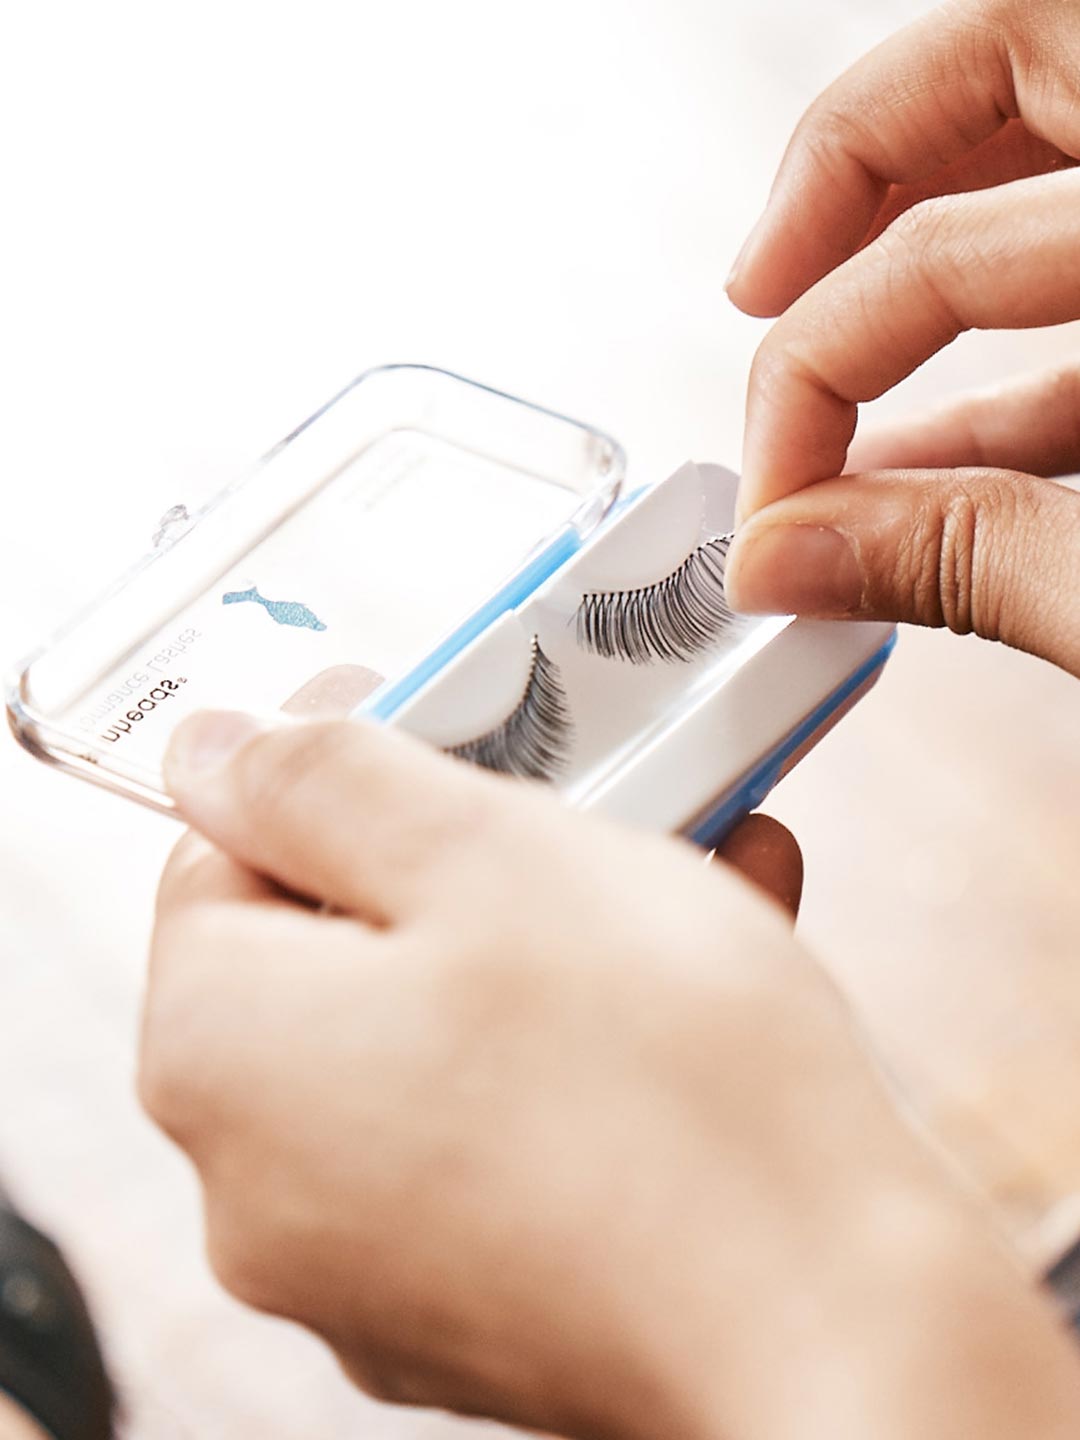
(977, 550)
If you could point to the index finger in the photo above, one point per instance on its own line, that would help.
(999, 259)
(198, 871)
(359, 816)
(914, 106)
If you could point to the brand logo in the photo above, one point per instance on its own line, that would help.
(142, 708)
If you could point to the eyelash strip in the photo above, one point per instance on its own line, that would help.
(675, 619)
(533, 741)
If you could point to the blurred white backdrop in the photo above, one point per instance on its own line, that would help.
(215, 215)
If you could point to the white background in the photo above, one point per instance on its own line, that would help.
(214, 215)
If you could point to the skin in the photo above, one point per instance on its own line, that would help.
(931, 190)
(15, 1424)
(603, 1155)
(606, 1155)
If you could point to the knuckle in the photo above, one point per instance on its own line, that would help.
(387, 1375)
(365, 1372)
(778, 363)
(1064, 388)
(469, 806)
(771, 362)
(972, 12)
(912, 580)
(495, 821)
(159, 1085)
(1010, 19)
(179, 1049)
(157, 1069)
(183, 870)
(152, 1086)
(491, 966)
(451, 842)
(244, 1260)
(921, 230)
(1063, 400)
(482, 987)
(960, 548)
(979, 550)
(497, 811)
(928, 254)
(471, 812)
(466, 982)
(274, 766)
(1003, 596)
(788, 364)
(828, 133)
(958, 536)
(994, 39)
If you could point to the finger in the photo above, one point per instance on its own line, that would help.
(197, 871)
(228, 985)
(976, 550)
(1012, 154)
(914, 106)
(767, 853)
(364, 818)
(1004, 258)
(1031, 425)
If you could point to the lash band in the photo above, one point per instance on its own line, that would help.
(533, 742)
(675, 619)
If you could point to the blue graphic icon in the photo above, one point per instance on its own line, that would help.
(284, 612)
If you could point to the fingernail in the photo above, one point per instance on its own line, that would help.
(207, 741)
(733, 273)
(741, 257)
(794, 570)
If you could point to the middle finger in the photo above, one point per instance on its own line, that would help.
(1000, 259)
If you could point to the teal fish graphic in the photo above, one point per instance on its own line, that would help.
(285, 612)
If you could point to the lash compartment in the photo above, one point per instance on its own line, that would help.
(685, 742)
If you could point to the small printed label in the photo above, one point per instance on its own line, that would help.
(136, 696)
(162, 692)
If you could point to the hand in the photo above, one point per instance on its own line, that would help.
(548, 1121)
(16, 1424)
(929, 191)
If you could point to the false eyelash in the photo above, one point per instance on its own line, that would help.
(675, 619)
(534, 739)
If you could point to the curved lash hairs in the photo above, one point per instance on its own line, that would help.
(675, 619)
(534, 740)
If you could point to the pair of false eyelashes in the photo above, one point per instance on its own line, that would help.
(673, 621)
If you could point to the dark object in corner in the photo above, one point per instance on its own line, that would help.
(50, 1360)
(1063, 1278)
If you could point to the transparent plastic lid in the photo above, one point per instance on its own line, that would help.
(394, 525)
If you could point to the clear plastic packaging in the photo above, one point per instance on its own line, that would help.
(392, 525)
(468, 554)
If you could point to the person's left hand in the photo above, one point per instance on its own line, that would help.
(544, 1119)
(392, 1097)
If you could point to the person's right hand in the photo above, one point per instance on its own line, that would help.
(929, 191)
